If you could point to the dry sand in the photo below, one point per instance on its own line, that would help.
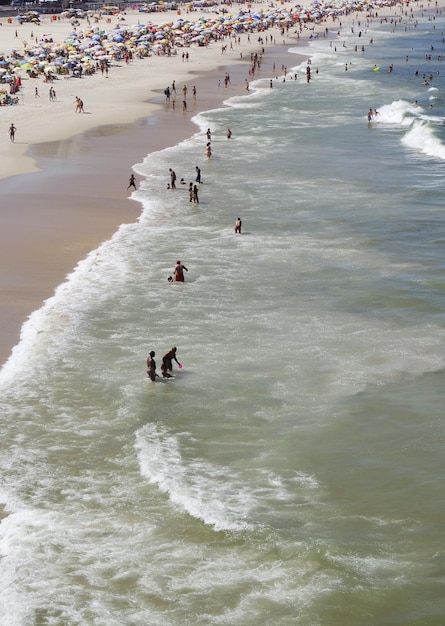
(121, 97)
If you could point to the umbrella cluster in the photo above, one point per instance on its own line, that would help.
(83, 51)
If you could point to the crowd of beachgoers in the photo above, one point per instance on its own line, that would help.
(99, 39)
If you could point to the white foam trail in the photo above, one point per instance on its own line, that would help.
(206, 492)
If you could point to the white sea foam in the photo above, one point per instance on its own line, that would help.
(398, 112)
(206, 492)
(422, 139)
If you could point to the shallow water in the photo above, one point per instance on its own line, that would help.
(292, 471)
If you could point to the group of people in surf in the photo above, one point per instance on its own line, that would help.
(166, 367)
(372, 114)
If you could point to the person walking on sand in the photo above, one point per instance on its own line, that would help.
(79, 105)
(12, 130)
(178, 272)
(151, 366)
(238, 225)
(131, 182)
(172, 179)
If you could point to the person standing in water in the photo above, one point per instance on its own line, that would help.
(178, 272)
(151, 366)
(195, 194)
(172, 178)
(167, 362)
(238, 225)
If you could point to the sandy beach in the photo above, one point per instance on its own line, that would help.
(63, 180)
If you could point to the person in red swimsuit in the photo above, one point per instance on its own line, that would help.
(179, 272)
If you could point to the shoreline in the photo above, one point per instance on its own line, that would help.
(66, 177)
(76, 198)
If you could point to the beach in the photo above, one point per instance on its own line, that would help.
(290, 470)
(47, 225)
(69, 227)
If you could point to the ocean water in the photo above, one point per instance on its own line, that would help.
(293, 471)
